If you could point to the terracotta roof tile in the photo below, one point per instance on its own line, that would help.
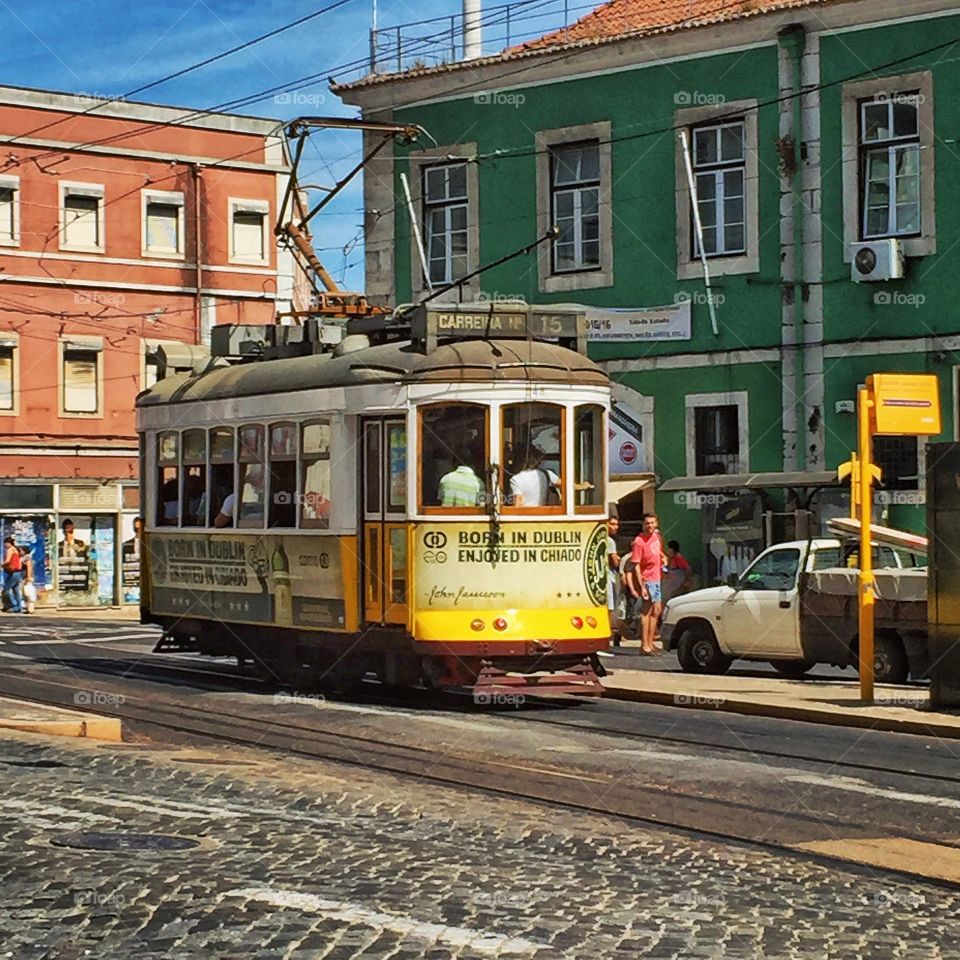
(617, 17)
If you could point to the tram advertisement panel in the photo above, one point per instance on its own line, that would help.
(478, 566)
(285, 581)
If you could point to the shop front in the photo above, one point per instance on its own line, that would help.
(84, 539)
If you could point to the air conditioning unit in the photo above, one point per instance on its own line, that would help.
(877, 260)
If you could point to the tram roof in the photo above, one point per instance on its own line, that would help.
(465, 361)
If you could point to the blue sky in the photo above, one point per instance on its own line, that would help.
(110, 47)
(107, 48)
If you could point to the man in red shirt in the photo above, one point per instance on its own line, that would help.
(679, 572)
(649, 560)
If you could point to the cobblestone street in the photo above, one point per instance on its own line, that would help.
(298, 860)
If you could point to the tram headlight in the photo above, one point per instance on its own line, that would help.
(477, 625)
(592, 623)
(499, 624)
(577, 622)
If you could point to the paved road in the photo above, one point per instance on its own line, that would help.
(301, 857)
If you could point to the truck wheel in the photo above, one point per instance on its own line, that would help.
(699, 652)
(793, 669)
(889, 659)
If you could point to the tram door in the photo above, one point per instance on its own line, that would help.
(384, 521)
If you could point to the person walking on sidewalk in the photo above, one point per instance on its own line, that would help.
(12, 576)
(29, 587)
(648, 559)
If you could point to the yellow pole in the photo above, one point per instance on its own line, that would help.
(866, 592)
(854, 487)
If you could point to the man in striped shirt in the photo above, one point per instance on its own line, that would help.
(460, 488)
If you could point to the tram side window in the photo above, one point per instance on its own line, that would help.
(315, 475)
(193, 498)
(168, 479)
(221, 498)
(588, 465)
(453, 456)
(250, 504)
(532, 455)
(282, 511)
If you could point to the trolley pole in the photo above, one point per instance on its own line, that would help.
(867, 593)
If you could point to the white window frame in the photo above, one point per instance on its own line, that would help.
(852, 98)
(240, 205)
(12, 183)
(11, 341)
(590, 278)
(79, 343)
(419, 159)
(892, 146)
(577, 189)
(737, 398)
(92, 190)
(447, 205)
(717, 171)
(689, 265)
(172, 198)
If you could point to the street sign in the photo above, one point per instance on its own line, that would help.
(905, 404)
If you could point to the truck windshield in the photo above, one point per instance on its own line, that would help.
(776, 570)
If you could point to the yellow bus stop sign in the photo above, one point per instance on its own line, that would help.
(905, 403)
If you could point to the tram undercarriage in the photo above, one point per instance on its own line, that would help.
(317, 661)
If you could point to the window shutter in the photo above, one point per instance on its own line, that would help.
(80, 383)
(248, 235)
(163, 227)
(81, 225)
(8, 199)
(6, 378)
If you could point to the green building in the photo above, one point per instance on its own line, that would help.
(756, 199)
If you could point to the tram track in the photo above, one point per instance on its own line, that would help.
(413, 698)
(719, 820)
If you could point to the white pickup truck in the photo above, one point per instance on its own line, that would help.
(796, 606)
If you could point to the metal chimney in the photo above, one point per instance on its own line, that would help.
(472, 30)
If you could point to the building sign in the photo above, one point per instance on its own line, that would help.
(905, 403)
(615, 325)
(284, 581)
(627, 452)
(498, 321)
(473, 566)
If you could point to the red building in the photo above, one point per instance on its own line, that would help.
(124, 227)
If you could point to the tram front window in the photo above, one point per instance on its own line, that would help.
(532, 455)
(453, 456)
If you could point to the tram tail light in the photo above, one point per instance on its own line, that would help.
(577, 622)
(592, 623)
(499, 624)
(477, 625)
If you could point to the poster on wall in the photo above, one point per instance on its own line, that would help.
(32, 532)
(85, 567)
(130, 559)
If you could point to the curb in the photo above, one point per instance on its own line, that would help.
(86, 725)
(751, 708)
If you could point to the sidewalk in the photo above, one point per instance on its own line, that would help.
(80, 613)
(837, 702)
(57, 722)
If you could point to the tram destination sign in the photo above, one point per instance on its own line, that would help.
(513, 321)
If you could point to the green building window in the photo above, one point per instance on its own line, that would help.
(717, 440)
(899, 461)
(720, 172)
(575, 203)
(890, 165)
(445, 221)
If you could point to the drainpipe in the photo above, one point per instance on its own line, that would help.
(793, 40)
(198, 251)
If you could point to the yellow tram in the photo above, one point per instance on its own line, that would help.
(424, 500)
